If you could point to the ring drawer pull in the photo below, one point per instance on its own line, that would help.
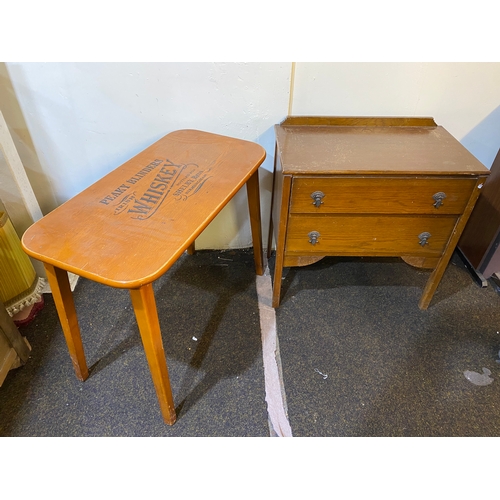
(423, 237)
(313, 237)
(438, 198)
(317, 196)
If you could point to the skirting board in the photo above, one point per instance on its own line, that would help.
(73, 278)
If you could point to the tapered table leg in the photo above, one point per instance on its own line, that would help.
(253, 195)
(144, 304)
(278, 274)
(63, 299)
(191, 249)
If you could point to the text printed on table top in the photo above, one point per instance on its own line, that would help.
(129, 227)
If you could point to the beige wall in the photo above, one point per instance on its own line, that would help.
(84, 119)
(462, 97)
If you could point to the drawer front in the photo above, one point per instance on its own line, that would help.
(433, 196)
(368, 235)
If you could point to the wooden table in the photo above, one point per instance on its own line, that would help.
(356, 186)
(130, 227)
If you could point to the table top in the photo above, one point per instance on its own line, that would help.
(371, 146)
(128, 228)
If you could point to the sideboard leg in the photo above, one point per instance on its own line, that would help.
(438, 272)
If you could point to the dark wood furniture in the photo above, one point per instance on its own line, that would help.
(480, 240)
(128, 228)
(356, 186)
(14, 348)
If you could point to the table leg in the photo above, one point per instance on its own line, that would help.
(253, 194)
(191, 249)
(63, 299)
(278, 274)
(271, 211)
(144, 304)
(270, 239)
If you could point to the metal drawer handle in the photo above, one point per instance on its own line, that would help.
(317, 196)
(313, 237)
(438, 198)
(423, 237)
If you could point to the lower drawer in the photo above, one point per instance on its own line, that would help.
(368, 235)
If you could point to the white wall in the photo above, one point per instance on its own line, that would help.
(87, 118)
(80, 120)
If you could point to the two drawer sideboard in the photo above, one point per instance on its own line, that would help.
(370, 186)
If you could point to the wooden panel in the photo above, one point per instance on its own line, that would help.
(480, 237)
(369, 235)
(347, 150)
(14, 349)
(357, 121)
(7, 360)
(301, 260)
(389, 195)
(9, 330)
(421, 262)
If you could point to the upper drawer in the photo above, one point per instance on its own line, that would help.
(391, 195)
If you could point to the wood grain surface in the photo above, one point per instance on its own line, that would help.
(129, 227)
(381, 195)
(370, 186)
(381, 148)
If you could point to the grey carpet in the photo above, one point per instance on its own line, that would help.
(361, 359)
(358, 356)
(216, 379)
